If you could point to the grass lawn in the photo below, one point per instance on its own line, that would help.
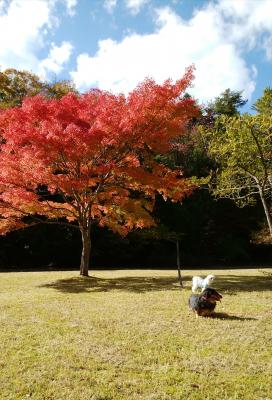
(129, 335)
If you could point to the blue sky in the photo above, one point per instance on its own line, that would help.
(115, 44)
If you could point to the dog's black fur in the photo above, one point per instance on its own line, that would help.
(204, 304)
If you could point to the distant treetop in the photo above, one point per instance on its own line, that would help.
(264, 104)
(227, 103)
(16, 85)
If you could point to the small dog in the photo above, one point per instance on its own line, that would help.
(204, 304)
(198, 282)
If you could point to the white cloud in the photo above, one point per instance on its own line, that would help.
(21, 24)
(134, 6)
(1, 6)
(58, 56)
(246, 21)
(267, 44)
(70, 5)
(214, 39)
(24, 26)
(110, 5)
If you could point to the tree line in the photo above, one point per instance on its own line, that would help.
(149, 167)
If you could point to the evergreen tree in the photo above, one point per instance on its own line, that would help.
(227, 103)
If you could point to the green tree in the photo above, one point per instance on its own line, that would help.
(241, 147)
(15, 85)
(264, 104)
(59, 88)
(227, 103)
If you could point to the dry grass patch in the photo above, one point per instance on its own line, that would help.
(129, 335)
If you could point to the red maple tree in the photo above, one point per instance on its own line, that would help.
(92, 157)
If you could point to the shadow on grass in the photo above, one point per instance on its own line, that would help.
(128, 284)
(230, 284)
(231, 317)
(233, 284)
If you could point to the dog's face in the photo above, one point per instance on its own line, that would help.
(210, 278)
(211, 295)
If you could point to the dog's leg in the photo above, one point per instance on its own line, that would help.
(194, 289)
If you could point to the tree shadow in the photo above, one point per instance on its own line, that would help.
(129, 284)
(233, 284)
(228, 284)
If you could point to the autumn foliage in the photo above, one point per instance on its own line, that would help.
(92, 157)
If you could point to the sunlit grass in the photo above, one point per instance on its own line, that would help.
(129, 335)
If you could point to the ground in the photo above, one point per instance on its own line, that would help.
(129, 335)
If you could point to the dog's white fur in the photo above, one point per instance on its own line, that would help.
(201, 283)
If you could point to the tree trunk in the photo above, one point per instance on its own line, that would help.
(270, 180)
(266, 210)
(178, 263)
(86, 248)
